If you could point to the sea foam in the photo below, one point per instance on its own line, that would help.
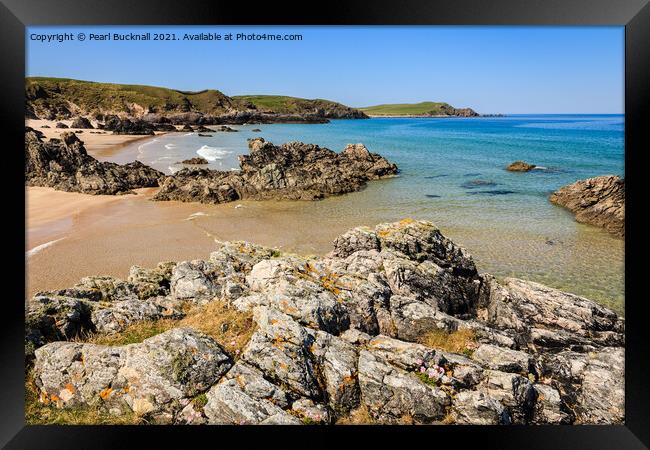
(212, 153)
(38, 248)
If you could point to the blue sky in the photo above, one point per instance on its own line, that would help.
(512, 70)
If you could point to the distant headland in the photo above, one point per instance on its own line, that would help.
(422, 109)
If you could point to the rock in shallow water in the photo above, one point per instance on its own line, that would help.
(293, 171)
(597, 201)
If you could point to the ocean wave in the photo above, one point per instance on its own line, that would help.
(173, 169)
(195, 215)
(145, 144)
(38, 248)
(170, 146)
(212, 153)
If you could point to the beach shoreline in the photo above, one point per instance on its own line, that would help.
(86, 235)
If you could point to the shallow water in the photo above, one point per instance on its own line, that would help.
(452, 173)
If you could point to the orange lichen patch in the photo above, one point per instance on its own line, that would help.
(70, 387)
(349, 379)
(105, 393)
(279, 343)
(329, 281)
(54, 398)
(312, 348)
(126, 390)
(383, 233)
(43, 398)
(274, 322)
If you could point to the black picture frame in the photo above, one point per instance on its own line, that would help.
(15, 15)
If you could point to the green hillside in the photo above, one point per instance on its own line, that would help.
(63, 97)
(91, 97)
(417, 109)
(288, 105)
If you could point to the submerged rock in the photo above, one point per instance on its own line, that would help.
(336, 334)
(65, 165)
(597, 201)
(293, 171)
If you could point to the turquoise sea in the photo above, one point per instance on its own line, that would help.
(452, 173)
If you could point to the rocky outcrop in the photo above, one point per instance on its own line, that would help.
(335, 334)
(597, 201)
(293, 171)
(520, 166)
(196, 161)
(127, 126)
(81, 122)
(64, 165)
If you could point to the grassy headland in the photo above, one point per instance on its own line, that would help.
(418, 109)
(62, 98)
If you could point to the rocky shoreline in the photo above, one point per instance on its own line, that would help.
(65, 165)
(364, 332)
(292, 171)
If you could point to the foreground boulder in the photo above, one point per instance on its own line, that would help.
(373, 327)
(597, 201)
(293, 171)
(157, 377)
(65, 165)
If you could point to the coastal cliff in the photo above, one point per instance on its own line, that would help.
(61, 98)
(395, 325)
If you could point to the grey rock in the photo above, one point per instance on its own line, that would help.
(478, 408)
(280, 349)
(156, 377)
(195, 281)
(503, 359)
(336, 361)
(229, 405)
(391, 393)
